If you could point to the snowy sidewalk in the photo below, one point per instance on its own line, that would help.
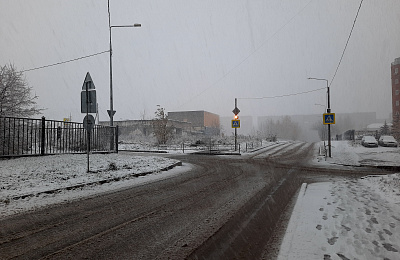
(354, 219)
(348, 154)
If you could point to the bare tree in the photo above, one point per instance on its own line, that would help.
(16, 99)
(160, 126)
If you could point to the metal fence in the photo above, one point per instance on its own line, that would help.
(26, 136)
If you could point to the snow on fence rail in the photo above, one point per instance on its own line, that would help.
(27, 136)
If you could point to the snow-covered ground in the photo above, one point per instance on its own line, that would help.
(348, 219)
(31, 182)
(350, 154)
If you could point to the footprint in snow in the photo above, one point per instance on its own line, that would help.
(319, 227)
(387, 232)
(332, 240)
(347, 228)
(342, 257)
(327, 257)
(389, 247)
(396, 218)
(380, 234)
(373, 220)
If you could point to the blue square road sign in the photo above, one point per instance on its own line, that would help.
(235, 123)
(329, 119)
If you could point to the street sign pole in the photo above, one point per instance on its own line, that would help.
(235, 129)
(88, 105)
(329, 126)
(87, 130)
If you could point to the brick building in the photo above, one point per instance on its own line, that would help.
(395, 72)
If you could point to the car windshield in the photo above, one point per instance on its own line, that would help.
(388, 138)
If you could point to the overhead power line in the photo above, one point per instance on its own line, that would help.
(286, 95)
(247, 57)
(62, 62)
(348, 39)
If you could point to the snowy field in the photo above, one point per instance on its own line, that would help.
(31, 182)
(348, 219)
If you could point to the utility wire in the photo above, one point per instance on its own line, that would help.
(248, 56)
(348, 39)
(286, 95)
(62, 62)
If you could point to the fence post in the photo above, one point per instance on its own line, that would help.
(43, 137)
(116, 138)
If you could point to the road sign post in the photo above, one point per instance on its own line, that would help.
(236, 111)
(88, 105)
(329, 119)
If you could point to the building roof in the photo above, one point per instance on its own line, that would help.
(396, 61)
(377, 126)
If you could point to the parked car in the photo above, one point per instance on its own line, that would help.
(369, 141)
(388, 140)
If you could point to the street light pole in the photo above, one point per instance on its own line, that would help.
(111, 112)
(328, 110)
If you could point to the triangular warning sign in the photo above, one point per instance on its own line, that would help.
(88, 80)
(329, 119)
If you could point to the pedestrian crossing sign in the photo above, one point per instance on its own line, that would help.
(235, 123)
(329, 119)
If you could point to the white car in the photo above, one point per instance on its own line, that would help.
(369, 141)
(388, 140)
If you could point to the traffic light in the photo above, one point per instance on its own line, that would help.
(236, 117)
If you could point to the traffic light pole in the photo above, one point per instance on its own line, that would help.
(329, 126)
(328, 110)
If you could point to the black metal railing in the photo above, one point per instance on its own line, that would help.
(26, 136)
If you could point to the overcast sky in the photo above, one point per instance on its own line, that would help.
(202, 54)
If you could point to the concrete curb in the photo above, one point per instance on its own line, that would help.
(215, 153)
(129, 176)
(142, 151)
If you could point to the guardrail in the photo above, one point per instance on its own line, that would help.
(26, 136)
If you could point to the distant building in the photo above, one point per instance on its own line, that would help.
(395, 71)
(202, 122)
(395, 68)
(128, 129)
